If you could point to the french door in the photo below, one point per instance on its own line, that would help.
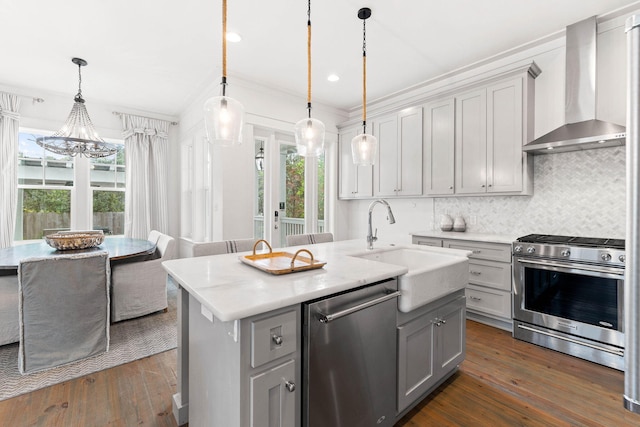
(289, 191)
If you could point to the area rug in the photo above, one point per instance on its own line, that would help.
(130, 340)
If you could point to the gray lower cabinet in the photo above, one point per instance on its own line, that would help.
(244, 372)
(431, 345)
(273, 398)
(489, 289)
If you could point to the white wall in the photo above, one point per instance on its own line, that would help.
(233, 167)
(51, 114)
(577, 193)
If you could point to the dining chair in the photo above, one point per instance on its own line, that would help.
(309, 239)
(140, 287)
(221, 247)
(9, 332)
(63, 309)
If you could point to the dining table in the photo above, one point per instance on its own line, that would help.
(120, 249)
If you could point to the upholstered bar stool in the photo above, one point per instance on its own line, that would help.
(221, 247)
(63, 309)
(309, 239)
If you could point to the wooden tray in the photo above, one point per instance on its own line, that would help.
(281, 262)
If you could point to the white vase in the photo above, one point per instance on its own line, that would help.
(459, 224)
(446, 223)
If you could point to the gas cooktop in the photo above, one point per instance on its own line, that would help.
(591, 242)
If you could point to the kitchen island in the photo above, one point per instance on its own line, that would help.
(240, 332)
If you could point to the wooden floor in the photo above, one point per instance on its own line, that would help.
(502, 382)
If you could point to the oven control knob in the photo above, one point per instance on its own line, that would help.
(606, 256)
(622, 258)
(531, 250)
(565, 253)
(517, 249)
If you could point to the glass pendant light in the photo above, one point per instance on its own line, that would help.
(364, 147)
(224, 116)
(309, 132)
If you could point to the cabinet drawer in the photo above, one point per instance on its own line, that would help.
(272, 338)
(428, 241)
(490, 273)
(489, 251)
(489, 301)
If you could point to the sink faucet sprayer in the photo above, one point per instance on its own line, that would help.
(373, 237)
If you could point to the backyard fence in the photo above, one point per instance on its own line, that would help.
(35, 225)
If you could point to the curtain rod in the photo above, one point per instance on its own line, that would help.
(118, 113)
(34, 99)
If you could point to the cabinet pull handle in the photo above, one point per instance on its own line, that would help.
(472, 298)
(476, 251)
(451, 187)
(291, 387)
(277, 339)
(439, 322)
(475, 273)
(482, 186)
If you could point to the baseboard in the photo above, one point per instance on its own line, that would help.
(504, 324)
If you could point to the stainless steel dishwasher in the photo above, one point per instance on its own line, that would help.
(349, 354)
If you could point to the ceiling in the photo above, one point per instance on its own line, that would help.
(158, 55)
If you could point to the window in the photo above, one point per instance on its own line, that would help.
(50, 191)
(107, 184)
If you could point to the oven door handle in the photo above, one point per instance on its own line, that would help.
(618, 272)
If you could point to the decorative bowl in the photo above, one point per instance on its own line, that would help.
(64, 242)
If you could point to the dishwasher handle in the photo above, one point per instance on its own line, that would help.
(326, 318)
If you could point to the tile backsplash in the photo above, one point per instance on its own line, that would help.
(579, 193)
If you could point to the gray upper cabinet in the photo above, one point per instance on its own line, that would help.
(463, 141)
(354, 181)
(398, 168)
(439, 140)
(471, 142)
(491, 128)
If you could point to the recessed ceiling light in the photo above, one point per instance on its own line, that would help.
(333, 77)
(233, 37)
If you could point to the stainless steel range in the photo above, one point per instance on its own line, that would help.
(569, 295)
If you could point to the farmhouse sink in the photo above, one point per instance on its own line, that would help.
(431, 275)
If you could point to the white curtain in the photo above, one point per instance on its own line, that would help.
(9, 126)
(147, 164)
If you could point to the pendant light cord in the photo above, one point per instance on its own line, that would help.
(364, 75)
(224, 47)
(309, 57)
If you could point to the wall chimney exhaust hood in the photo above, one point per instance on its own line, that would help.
(582, 131)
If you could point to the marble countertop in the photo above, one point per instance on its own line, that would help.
(465, 235)
(232, 290)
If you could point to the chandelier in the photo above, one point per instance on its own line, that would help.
(77, 136)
